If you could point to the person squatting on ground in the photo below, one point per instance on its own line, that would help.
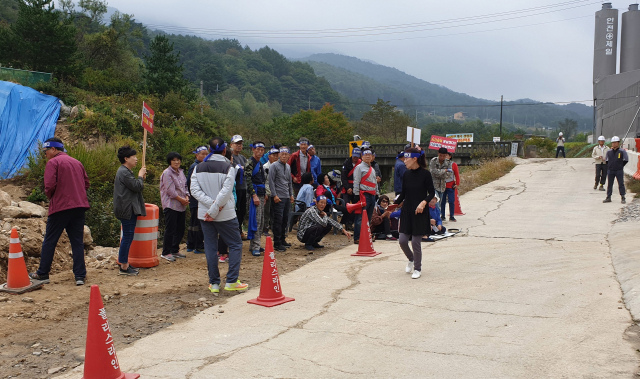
(241, 185)
(195, 238)
(212, 185)
(436, 226)
(348, 167)
(174, 199)
(128, 203)
(306, 194)
(299, 164)
(282, 197)
(256, 190)
(268, 215)
(365, 189)
(417, 192)
(65, 185)
(616, 159)
(315, 163)
(560, 145)
(315, 223)
(599, 154)
(441, 169)
(381, 222)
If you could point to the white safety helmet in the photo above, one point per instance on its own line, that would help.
(560, 134)
(615, 139)
(601, 138)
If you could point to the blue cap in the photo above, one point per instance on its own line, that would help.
(199, 149)
(356, 152)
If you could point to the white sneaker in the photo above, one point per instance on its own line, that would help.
(409, 268)
(416, 274)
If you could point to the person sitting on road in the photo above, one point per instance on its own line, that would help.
(306, 194)
(435, 222)
(174, 197)
(315, 223)
(380, 222)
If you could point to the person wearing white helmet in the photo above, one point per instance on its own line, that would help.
(616, 159)
(599, 154)
(560, 145)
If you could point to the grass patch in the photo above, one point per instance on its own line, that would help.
(487, 171)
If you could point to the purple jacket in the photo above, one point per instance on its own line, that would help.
(65, 184)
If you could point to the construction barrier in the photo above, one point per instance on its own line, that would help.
(100, 359)
(18, 280)
(144, 248)
(270, 287)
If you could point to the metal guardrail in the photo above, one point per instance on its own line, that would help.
(25, 76)
(469, 149)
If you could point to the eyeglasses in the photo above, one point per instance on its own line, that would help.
(384, 201)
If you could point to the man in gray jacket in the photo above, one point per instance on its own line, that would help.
(281, 188)
(442, 172)
(212, 185)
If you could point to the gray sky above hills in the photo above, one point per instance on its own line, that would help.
(549, 60)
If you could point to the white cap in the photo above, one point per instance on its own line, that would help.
(615, 139)
(560, 133)
(601, 138)
(236, 138)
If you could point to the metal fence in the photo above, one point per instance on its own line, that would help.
(24, 76)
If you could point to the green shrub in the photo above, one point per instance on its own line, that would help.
(545, 146)
(37, 195)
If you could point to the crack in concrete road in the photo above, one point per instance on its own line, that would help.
(352, 275)
(451, 310)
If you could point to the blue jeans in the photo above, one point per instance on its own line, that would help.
(128, 229)
(371, 204)
(228, 232)
(449, 195)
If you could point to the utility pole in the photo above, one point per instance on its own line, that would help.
(201, 95)
(501, 99)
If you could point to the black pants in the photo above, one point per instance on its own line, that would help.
(173, 230)
(619, 176)
(241, 206)
(558, 150)
(268, 217)
(195, 238)
(280, 217)
(601, 173)
(71, 220)
(315, 234)
(384, 228)
(347, 218)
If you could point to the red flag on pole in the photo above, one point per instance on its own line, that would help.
(147, 117)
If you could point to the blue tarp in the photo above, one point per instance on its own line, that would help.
(26, 118)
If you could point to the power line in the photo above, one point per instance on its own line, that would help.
(276, 35)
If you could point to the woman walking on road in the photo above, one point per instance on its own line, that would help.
(417, 192)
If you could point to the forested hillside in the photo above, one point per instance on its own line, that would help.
(365, 81)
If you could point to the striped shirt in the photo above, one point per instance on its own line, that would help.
(173, 184)
(311, 218)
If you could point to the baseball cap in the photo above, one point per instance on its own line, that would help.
(199, 149)
(236, 138)
(443, 150)
(356, 152)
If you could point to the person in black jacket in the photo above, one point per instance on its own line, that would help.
(616, 159)
(348, 167)
(195, 238)
(417, 192)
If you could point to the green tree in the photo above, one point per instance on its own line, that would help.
(568, 127)
(384, 121)
(164, 71)
(322, 127)
(39, 40)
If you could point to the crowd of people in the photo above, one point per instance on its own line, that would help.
(221, 185)
(610, 164)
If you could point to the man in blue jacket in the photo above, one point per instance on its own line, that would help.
(316, 165)
(398, 171)
(616, 159)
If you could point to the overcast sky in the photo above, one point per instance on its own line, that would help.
(551, 61)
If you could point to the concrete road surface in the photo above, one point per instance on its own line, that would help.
(528, 291)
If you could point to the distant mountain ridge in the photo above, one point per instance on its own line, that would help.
(367, 81)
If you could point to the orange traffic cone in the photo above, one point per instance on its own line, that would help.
(270, 288)
(100, 360)
(458, 210)
(18, 280)
(637, 174)
(365, 246)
